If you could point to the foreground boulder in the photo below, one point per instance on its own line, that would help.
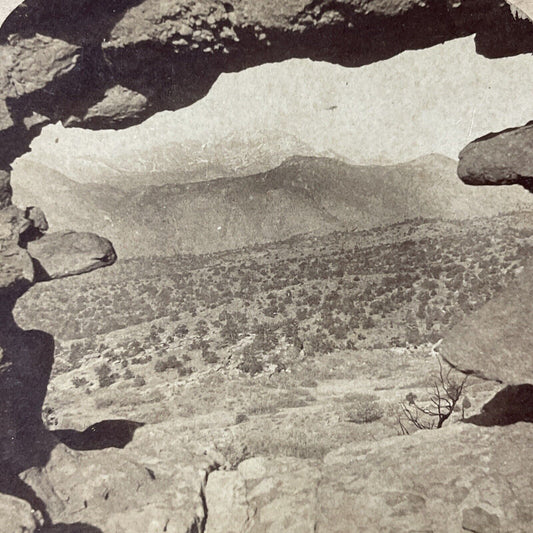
(155, 484)
(496, 342)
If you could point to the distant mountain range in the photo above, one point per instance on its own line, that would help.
(241, 154)
(302, 195)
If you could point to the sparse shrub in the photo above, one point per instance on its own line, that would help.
(265, 339)
(181, 331)
(103, 403)
(240, 418)
(294, 442)
(160, 366)
(251, 364)
(79, 382)
(317, 345)
(105, 376)
(208, 355)
(139, 381)
(362, 408)
(170, 362)
(201, 329)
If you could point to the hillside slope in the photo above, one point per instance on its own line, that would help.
(302, 195)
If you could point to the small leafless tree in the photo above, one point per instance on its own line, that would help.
(444, 397)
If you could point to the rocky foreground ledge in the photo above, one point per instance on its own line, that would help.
(461, 478)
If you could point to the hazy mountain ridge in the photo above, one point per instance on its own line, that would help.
(303, 195)
(241, 154)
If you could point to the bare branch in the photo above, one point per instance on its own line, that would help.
(442, 402)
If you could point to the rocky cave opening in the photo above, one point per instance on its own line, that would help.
(101, 65)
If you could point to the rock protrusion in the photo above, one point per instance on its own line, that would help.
(62, 254)
(477, 520)
(503, 158)
(495, 342)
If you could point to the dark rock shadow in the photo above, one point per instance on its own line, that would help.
(40, 272)
(24, 375)
(105, 434)
(26, 359)
(70, 528)
(512, 404)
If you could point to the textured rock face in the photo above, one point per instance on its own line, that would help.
(16, 268)
(503, 158)
(151, 486)
(454, 479)
(496, 342)
(458, 478)
(96, 64)
(51, 256)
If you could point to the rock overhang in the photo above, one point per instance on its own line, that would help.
(111, 65)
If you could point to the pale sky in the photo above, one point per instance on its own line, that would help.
(419, 102)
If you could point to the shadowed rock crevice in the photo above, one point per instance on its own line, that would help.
(26, 360)
(26, 366)
(25, 443)
(11, 484)
(511, 405)
(55, 18)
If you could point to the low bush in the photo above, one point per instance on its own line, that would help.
(361, 408)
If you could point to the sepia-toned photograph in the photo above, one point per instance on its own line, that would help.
(266, 266)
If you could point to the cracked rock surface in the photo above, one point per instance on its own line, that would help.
(451, 480)
(433, 481)
(114, 490)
